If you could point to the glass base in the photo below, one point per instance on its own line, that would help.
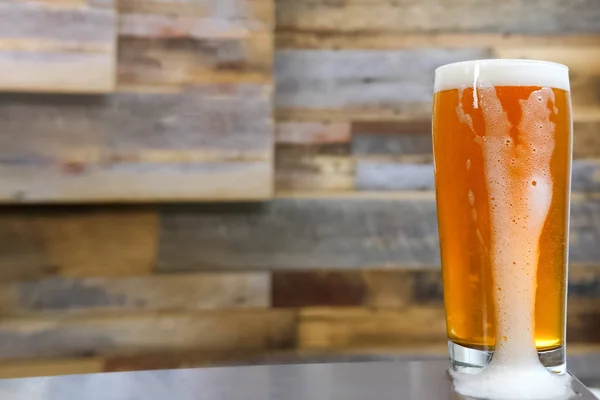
(465, 359)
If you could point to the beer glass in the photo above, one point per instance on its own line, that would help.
(502, 142)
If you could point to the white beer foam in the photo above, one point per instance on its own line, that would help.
(502, 72)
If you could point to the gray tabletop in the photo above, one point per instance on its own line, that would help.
(415, 380)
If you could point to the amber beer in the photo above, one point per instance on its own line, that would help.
(502, 134)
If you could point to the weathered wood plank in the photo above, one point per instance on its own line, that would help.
(337, 232)
(320, 167)
(347, 328)
(421, 326)
(50, 367)
(392, 85)
(211, 143)
(410, 16)
(381, 173)
(157, 293)
(359, 84)
(76, 242)
(290, 132)
(414, 137)
(63, 47)
(184, 62)
(147, 332)
(394, 288)
(416, 173)
(397, 41)
(205, 14)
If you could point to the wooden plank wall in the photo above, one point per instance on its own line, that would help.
(189, 118)
(344, 261)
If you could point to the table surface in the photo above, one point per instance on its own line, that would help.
(414, 380)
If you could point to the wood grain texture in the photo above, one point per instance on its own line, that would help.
(393, 173)
(133, 294)
(59, 47)
(211, 143)
(336, 232)
(147, 332)
(180, 62)
(388, 40)
(76, 242)
(50, 367)
(319, 167)
(349, 328)
(291, 132)
(412, 16)
(324, 85)
(395, 288)
(195, 19)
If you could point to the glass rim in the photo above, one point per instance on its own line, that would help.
(504, 61)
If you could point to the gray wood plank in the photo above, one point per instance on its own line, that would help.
(325, 79)
(336, 232)
(213, 142)
(63, 47)
(414, 16)
(207, 291)
(405, 173)
(77, 336)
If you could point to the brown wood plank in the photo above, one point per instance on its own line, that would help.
(290, 132)
(348, 328)
(157, 293)
(395, 41)
(50, 367)
(210, 143)
(147, 332)
(314, 167)
(182, 62)
(337, 231)
(351, 328)
(76, 242)
(59, 47)
(394, 288)
(350, 85)
(410, 16)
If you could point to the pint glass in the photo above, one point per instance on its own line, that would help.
(502, 141)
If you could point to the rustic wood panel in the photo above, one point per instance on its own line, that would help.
(422, 326)
(407, 16)
(147, 332)
(324, 85)
(320, 167)
(335, 231)
(50, 367)
(414, 138)
(157, 292)
(61, 47)
(199, 19)
(182, 62)
(394, 288)
(212, 143)
(356, 84)
(388, 40)
(290, 132)
(76, 242)
(347, 328)
(416, 173)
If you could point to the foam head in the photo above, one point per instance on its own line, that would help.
(501, 72)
